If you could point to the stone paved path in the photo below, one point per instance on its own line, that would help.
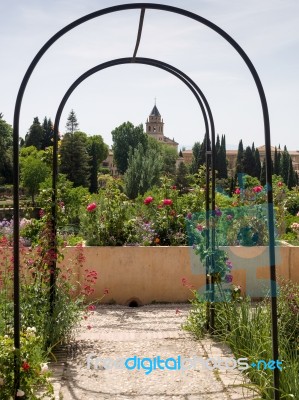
(148, 331)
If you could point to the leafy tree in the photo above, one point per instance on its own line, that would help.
(143, 172)
(124, 137)
(72, 124)
(35, 135)
(5, 151)
(196, 157)
(169, 157)
(33, 171)
(75, 161)
(97, 151)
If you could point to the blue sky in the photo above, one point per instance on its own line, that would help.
(268, 31)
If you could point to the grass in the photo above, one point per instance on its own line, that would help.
(246, 328)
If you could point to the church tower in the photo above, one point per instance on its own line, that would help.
(155, 125)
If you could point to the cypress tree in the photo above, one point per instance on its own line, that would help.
(263, 173)
(48, 135)
(291, 175)
(284, 165)
(217, 160)
(258, 166)
(276, 166)
(249, 162)
(35, 136)
(240, 158)
(222, 159)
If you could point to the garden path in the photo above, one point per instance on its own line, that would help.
(154, 330)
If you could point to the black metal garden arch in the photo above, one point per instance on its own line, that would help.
(210, 155)
(266, 121)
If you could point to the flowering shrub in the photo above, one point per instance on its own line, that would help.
(33, 370)
(43, 328)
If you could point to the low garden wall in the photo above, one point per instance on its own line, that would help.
(154, 274)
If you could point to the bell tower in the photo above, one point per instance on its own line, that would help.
(155, 125)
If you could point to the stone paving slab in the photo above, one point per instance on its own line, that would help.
(149, 331)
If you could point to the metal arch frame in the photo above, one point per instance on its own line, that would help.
(208, 118)
(266, 121)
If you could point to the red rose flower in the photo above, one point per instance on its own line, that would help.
(148, 200)
(91, 207)
(280, 184)
(25, 366)
(257, 189)
(173, 187)
(237, 191)
(106, 291)
(167, 202)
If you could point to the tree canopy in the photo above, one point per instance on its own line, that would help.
(124, 137)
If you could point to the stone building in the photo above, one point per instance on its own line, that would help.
(155, 128)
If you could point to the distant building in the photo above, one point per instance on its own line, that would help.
(155, 128)
(231, 156)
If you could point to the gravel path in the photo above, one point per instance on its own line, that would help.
(149, 331)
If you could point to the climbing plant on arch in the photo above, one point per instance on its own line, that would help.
(234, 44)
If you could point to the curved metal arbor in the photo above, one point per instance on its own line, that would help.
(262, 96)
(207, 116)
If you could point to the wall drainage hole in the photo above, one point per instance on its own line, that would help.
(133, 303)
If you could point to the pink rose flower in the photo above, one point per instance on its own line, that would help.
(148, 200)
(91, 207)
(167, 202)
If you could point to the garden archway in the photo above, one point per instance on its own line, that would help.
(235, 45)
(208, 118)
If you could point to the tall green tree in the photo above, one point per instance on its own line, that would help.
(5, 151)
(240, 158)
(258, 166)
(249, 161)
(181, 179)
(35, 135)
(97, 151)
(75, 161)
(48, 134)
(143, 172)
(217, 151)
(292, 181)
(276, 165)
(72, 124)
(221, 156)
(34, 170)
(263, 173)
(196, 154)
(124, 137)
(285, 165)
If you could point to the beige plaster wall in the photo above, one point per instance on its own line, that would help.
(154, 274)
